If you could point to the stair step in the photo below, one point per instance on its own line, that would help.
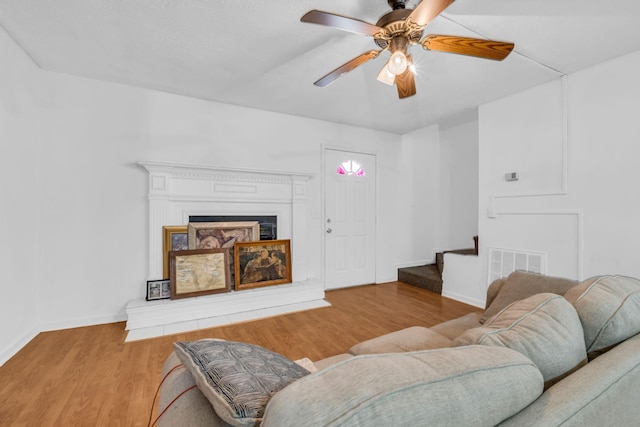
(425, 277)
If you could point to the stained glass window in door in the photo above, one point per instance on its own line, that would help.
(350, 168)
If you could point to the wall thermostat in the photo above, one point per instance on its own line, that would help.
(511, 176)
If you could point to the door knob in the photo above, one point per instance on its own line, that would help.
(329, 231)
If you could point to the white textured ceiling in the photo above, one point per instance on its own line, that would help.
(258, 54)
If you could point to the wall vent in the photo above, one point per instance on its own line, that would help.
(503, 262)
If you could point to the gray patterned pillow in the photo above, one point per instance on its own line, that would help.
(237, 378)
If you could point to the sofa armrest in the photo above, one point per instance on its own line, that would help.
(192, 408)
(414, 338)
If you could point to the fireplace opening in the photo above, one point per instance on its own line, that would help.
(268, 223)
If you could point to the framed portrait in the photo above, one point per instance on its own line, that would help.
(262, 263)
(174, 238)
(158, 289)
(199, 272)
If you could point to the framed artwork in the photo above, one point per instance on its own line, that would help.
(158, 289)
(199, 272)
(262, 263)
(174, 238)
(208, 235)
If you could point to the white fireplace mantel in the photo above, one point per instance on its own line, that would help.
(177, 191)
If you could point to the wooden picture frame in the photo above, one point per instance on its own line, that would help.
(262, 263)
(199, 272)
(158, 289)
(174, 238)
(209, 235)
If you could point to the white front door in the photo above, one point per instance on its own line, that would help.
(350, 226)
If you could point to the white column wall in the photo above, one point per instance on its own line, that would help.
(19, 175)
(458, 194)
(418, 197)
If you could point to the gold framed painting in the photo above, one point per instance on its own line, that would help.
(262, 263)
(174, 238)
(199, 272)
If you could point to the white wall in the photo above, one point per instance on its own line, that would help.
(79, 241)
(458, 195)
(441, 200)
(96, 129)
(19, 175)
(588, 221)
(418, 197)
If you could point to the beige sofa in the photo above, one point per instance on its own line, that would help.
(545, 352)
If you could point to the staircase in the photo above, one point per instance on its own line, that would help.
(429, 276)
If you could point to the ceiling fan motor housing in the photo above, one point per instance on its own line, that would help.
(394, 24)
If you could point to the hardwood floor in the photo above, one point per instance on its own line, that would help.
(90, 377)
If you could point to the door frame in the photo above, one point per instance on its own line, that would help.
(323, 214)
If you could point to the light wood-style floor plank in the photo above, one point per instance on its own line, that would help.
(90, 377)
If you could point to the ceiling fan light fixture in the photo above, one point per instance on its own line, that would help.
(385, 76)
(397, 63)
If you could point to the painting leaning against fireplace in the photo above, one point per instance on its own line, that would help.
(209, 235)
(262, 263)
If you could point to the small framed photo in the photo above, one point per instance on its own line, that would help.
(262, 263)
(174, 238)
(199, 272)
(158, 289)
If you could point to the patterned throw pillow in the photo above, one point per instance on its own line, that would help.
(237, 378)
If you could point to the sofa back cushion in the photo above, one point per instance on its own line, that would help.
(520, 285)
(445, 387)
(543, 327)
(609, 309)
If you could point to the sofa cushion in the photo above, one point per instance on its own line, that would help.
(410, 339)
(453, 328)
(609, 309)
(444, 387)
(237, 378)
(520, 285)
(332, 360)
(543, 327)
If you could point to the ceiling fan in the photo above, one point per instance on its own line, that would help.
(395, 31)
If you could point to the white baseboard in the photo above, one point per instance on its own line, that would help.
(13, 349)
(471, 301)
(81, 322)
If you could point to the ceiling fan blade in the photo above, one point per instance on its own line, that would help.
(341, 22)
(426, 12)
(487, 49)
(345, 68)
(406, 82)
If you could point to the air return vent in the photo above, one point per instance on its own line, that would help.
(503, 262)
